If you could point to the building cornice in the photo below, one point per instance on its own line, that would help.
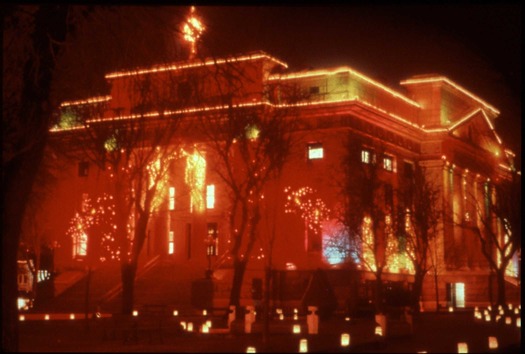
(195, 64)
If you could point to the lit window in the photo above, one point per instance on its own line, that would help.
(172, 198)
(456, 295)
(388, 163)
(210, 196)
(43, 275)
(366, 156)
(290, 266)
(315, 151)
(195, 177)
(171, 242)
(80, 244)
(460, 295)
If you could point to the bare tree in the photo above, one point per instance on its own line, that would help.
(417, 218)
(135, 148)
(249, 145)
(136, 151)
(497, 225)
(367, 211)
(35, 239)
(31, 40)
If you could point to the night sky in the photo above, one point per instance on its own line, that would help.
(476, 45)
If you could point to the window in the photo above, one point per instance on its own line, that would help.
(212, 239)
(456, 294)
(171, 202)
(366, 156)
(314, 90)
(210, 196)
(188, 240)
(83, 168)
(80, 244)
(315, 151)
(313, 239)
(388, 163)
(80, 237)
(408, 170)
(171, 242)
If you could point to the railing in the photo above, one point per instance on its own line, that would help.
(112, 293)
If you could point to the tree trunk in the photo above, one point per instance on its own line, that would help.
(18, 174)
(128, 272)
(378, 294)
(18, 178)
(436, 288)
(239, 267)
(88, 283)
(266, 304)
(500, 278)
(416, 292)
(10, 240)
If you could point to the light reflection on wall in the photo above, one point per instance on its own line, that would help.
(312, 210)
(336, 245)
(368, 244)
(95, 217)
(157, 175)
(195, 178)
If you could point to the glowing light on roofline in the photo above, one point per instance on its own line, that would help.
(57, 129)
(472, 114)
(157, 114)
(456, 86)
(406, 121)
(208, 62)
(340, 70)
(86, 101)
(491, 126)
(505, 167)
(251, 104)
(180, 111)
(464, 119)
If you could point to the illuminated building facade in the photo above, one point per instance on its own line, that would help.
(429, 120)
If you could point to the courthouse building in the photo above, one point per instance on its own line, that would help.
(428, 120)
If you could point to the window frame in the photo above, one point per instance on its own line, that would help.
(314, 147)
(366, 156)
(387, 157)
(210, 196)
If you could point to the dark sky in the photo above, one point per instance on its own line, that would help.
(476, 45)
